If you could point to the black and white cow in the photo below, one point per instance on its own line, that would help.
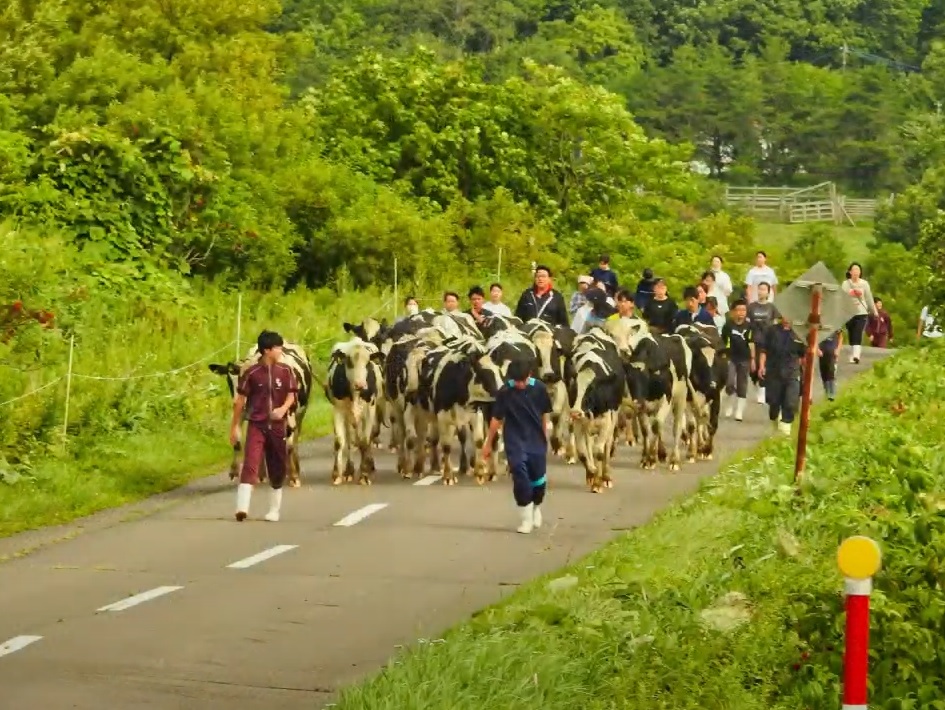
(554, 346)
(402, 367)
(489, 372)
(706, 381)
(355, 384)
(626, 332)
(658, 379)
(595, 395)
(293, 356)
(445, 379)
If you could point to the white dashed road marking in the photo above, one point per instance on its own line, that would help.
(428, 480)
(139, 599)
(359, 515)
(261, 556)
(17, 643)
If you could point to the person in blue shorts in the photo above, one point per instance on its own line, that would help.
(521, 408)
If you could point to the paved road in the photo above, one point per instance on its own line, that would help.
(320, 613)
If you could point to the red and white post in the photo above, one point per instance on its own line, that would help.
(859, 558)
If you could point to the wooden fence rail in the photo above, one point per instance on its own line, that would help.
(817, 203)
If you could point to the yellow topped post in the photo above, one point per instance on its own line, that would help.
(859, 557)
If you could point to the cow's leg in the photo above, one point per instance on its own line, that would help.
(446, 431)
(366, 443)
(585, 453)
(609, 434)
(559, 418)
(340, 428)
(481, 465)
(646, 439)
(415, 420)
(679, 407)
(462, 434)
(398, 436)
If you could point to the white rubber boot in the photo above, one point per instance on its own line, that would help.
(275, 504)
(526, 513)
(784, 428)
(536, 517)
(740, 409)
(761, 395)
(857, 351)
(244, 493)
(730, 409)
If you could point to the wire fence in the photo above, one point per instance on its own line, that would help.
(390, 303)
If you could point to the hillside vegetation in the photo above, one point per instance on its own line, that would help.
(731, 599)
(157, 158)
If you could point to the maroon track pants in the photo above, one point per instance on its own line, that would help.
(263, 440)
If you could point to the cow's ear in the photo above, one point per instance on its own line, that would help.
(384, 324)
(377, 356)
(217, 369)
(349, 328)
(337, 356)
(232, 368)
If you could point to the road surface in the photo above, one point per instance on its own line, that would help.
(175, 605)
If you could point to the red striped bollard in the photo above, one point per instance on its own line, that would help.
(859, 558)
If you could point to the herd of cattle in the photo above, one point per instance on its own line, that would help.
(432, 379)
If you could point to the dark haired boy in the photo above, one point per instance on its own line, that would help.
(521, 408)
(827, 362)
(269, 389)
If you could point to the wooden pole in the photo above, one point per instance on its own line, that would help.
(396, 293)
(65, 416)
(813, 325)
(239, 323)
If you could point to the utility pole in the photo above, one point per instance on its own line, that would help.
(845, 52)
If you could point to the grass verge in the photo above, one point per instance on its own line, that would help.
(731, 599)
(778, 237)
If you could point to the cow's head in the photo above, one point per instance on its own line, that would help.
(706, 350)
(231, 371)
(370, 330)
(549, 355)
(486, 373)
(356, 357)
(647, 362)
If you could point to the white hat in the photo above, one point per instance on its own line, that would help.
(585, 280)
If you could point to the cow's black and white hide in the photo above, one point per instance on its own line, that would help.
(594, 395)
(293, 356)
(707, 377)
(554, 345)
(445, 379)
(657, 374)
(626, 332)
(490, 371)
(355, 385)
(494, 323)
(458, 324)
(401, 386)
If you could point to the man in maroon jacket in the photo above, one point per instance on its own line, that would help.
(270, 389)
(879, 327)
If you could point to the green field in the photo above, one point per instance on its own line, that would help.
(730, 600)
(776, 238)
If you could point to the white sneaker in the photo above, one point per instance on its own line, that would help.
(730, 409)
(244, 493)
(784, 428)
(740, 409)
(536, 517)
(527, 521)
(275, 503)
(761, 395)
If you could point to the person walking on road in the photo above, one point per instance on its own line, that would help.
(645, 289)
(827, 361)
(542, 301)
(693, 312)
(859, 290)
(269, 388)
(604, 275)
(758, 274)
(737, 337)
(522, 406)
(761, 315)
(723, 284)
(879, 327)
(660, 310)
(780, 366)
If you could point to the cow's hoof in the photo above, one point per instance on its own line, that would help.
(480, 480)
(674, 467)
(692, 459)
(608, 484)
(336, 481)
(708, 457)
(295, 484)
(595, 489)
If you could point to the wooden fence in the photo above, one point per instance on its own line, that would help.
(817, 203)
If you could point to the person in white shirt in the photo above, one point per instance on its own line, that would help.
(759, 273)
(495, 304)
(723, 283)
(712, 290)
(928, 328)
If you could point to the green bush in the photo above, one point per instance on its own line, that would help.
(732, 599)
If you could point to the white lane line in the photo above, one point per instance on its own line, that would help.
(261, 556)
(139, 599)
(360, 514)
(17, 643)
(429, 480)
